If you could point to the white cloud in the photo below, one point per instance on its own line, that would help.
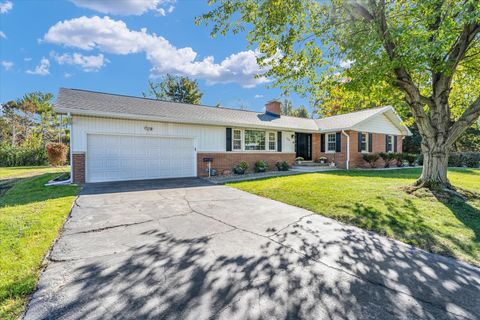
(27, 59)
(113, 36)
(42, 69)
(258, 96)
(6, 6)
(126, 7)
(67, 75)
(7, 65)
(3, 35)
(87, 63)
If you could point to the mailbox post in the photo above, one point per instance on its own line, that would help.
(209, 160)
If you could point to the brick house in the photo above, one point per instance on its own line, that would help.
(116, 137)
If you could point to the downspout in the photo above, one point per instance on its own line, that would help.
(70, 121)
(347, 164)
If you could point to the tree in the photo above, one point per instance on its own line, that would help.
(289, 110)
(425, 49)
(33, 114)
(175, 88)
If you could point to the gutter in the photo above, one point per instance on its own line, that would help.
(347, 164)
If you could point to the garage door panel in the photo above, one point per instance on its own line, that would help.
(117, 157)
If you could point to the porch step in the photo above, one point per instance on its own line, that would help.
(312, 168)
(312, 164)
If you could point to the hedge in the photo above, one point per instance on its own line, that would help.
(22, 156)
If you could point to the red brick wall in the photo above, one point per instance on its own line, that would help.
(225, 161)
(78, 167)
(356, 160)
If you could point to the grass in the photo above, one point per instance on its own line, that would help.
(31, 216)
(375, 200)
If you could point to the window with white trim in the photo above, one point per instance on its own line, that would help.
(272, 141)
(254, 140)
(389, 143)
(237, 140)
(364, 142)
(331, 142)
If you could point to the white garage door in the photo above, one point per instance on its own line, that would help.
(119, 158)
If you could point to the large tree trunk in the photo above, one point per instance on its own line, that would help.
(435, 165)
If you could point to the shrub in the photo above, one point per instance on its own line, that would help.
(399, 159)
(240, 168)
(464, 159)
(420, 159)
(387, 158)
(57, 153)
(371, 158)
(299, 159)
(410, 158)
(22, 156)
(261, 166)
(282, 166)
(456, 160)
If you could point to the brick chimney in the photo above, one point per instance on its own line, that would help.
(274, 108)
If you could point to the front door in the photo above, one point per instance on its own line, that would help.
(303, 145)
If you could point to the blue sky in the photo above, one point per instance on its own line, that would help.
(117, 46)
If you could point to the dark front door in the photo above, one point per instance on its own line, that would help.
(303, 145)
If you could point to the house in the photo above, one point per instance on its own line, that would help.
(116, 137)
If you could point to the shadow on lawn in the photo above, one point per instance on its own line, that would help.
(403, 220)
(216, 277)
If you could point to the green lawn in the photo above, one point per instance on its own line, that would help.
(31, 216)
(375, 200)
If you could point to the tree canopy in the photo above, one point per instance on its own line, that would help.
(424, 52)
(289, 110)
(175, 88)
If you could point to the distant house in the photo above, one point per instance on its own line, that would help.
(116, 137)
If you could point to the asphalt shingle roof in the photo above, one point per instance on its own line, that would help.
(82, 101)
(85, 102)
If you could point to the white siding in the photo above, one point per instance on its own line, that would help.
(207, 138)
(378, 124)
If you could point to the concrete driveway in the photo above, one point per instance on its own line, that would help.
(185, 249)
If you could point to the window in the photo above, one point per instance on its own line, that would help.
(364, 142)
(272, 141)
(331, 142)
(254, 140)
(237, 139)
(389, 143)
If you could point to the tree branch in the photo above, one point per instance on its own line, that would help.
(469, 116)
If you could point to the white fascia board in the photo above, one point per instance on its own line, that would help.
(90, 113)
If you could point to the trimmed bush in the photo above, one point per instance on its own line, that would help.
(387, 158)
(261, 166)
(282, 166)
(399, 159)
(371, 158)
(240, 168)
(57, 153)
(410, 158)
